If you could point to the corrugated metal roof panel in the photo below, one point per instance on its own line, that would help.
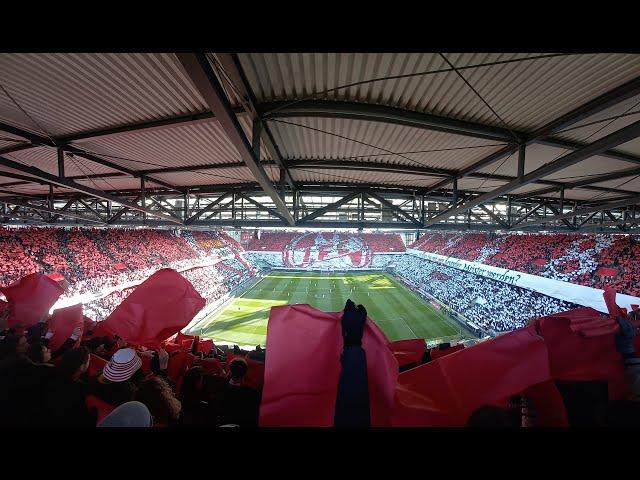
(332, 138)
(199, 144)
(247, 126)
(588, 167)
(7, 140)
(631, 183)
(46, 158)
(580, 194)
(216, 176)
(115, 183)
(479, 184)
(526, 94)
(537, 155)
(68, 93)
(341, 176)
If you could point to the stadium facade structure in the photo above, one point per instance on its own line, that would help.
(394, 141)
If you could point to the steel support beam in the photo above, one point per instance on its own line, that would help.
(328, 208)
(495, 217)
(381, 113)
(583, 211)
(616, 138)
(204, 79)
(46, 209)
(64, 182)
(206, 209)
(616, 175)
(233, 69)
(259, 205)
(394, 208)
(528, 214)
(602, 102)
(555, 211)
(61, 163)
(38, 140)
(521, 157)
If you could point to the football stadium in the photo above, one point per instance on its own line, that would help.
(319, 239)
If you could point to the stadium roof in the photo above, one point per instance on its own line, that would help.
(551, 137)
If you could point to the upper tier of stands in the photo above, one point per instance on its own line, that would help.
(594, 260)
(278, 241)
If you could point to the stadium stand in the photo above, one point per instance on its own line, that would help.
(88, 379)
(594, 260)
(494, 306)
(278, 241)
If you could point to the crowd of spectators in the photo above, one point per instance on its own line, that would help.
(102, 381)
(92, 260)
(594, 260)
(278, 241)
(212, 282)
(492, 305)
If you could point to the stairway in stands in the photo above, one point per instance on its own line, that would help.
(63, 238)
(188, 236)
(229, 268)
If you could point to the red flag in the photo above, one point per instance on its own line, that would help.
(89, 324)
(96, 365)
(439, 353)
(31, 298)
(612, 306)
(205, 346)
(576, 353)
(548, 404)
(255, 374)
(159, 307)
(211, 366)
(62, 323)
(446, 391)
(303, 368)
(408, 351)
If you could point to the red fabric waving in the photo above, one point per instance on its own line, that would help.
(303, 368)
(31, 298)
(212, 366)
(96, 365)
(88, 324)
(255, 374)
(612, 306)
(205, 346)
(181, 336)
(382, 371)
(548, 403)
(62, 323)
(577, 353)
(446, 391)
(438, 353)
(408, 351)
(178, 365)
(159, 307)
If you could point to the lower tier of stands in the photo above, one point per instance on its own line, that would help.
(212, 283)
(492, 305)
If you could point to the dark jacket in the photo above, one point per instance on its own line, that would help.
(114, 393)
(239, 405)
(23, 385)
(352, 402)
(67, 404)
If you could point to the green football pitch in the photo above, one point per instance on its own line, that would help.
(397, 310)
